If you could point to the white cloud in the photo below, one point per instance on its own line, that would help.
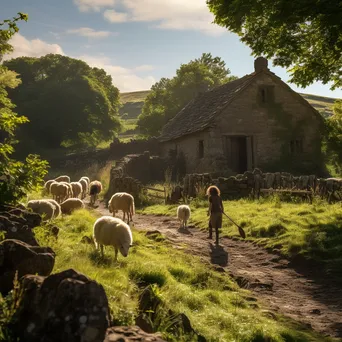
(144, 67)
(123, 78)
(93, 5)
(171, 15)
(115, 17)
(31, 48)
(89, 32)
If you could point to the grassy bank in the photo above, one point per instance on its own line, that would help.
(215, 305)
(312, 231)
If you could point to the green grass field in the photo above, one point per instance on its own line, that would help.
(217, 308)
(296, 229)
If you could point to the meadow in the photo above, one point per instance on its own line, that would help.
(217, 308)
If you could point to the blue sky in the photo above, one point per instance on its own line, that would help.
(136, 41)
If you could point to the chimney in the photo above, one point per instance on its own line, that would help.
(260, 64)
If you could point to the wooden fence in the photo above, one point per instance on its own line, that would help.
(156, 193)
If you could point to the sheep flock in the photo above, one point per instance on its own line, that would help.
(68, 196)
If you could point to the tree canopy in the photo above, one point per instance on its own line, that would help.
(66, 101)
(169, 96)
(16, 178)
(305, 36)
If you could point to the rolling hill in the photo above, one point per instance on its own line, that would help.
(133, 102)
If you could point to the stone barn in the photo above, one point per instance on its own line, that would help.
(254, 121)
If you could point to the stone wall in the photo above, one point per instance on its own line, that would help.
(132, 171)
(250, 183)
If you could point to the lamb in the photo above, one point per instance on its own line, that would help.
(63, 179)
(84, 185)
(122, 201)
(71, 204)
(95, 187)
(112, 231)
(57, 207)
(76, 189)
(42, 207)
(183, 214)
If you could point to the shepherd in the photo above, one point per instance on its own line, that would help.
(215, 211)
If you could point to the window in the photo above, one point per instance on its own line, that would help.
(201, 149)
(266, 94)
(296, 146)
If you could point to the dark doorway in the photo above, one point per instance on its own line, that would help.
(237, 153)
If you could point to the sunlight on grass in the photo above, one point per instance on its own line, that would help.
(217, 308)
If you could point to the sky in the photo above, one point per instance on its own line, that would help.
(136, 41)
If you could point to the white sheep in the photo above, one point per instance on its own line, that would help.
(95, 187)
(84, 185)
(70, 193)
(112, 231)
(122, 201)
(57, 207)
(71, 204)
(42, 207)
(59, 191)
(183, 214)
(47, 185)
(76, 189)
(87, 179)
(63, 179)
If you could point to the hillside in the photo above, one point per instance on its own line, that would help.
(133, 102)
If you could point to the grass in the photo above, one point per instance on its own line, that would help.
(216, 307)
(135, 96)
(296, 229)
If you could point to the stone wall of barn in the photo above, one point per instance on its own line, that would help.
(272, 126)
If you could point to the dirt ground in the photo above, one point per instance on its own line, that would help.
(297, 291)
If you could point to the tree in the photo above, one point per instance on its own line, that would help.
(333, 140)
(305, 36)
(169, 96)
(67, 101)
(16, 178)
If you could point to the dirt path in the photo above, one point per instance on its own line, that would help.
(296, 292)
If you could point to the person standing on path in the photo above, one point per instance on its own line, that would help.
(215, 211)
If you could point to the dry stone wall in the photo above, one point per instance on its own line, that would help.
(132, 171)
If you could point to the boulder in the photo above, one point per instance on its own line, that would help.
(18, 256)
(17, 224)
(65, 306)
(130, 334)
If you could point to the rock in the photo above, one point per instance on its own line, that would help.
(65, 306)
(18, 224)
(18, 255)
(130, 334)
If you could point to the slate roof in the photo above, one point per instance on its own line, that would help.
(200, 112)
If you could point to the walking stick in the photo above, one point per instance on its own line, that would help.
(241, 231)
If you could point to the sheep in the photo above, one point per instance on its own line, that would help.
(84, 185)
(71, 204)
(70, 193)
(183, 214)
(42, 207)
(76, 189)
(59, 191)
(87, 179)
(95, 188)
(47, 185)
(112, 231)
(63, 179)
(122, 201)
(57, 207)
